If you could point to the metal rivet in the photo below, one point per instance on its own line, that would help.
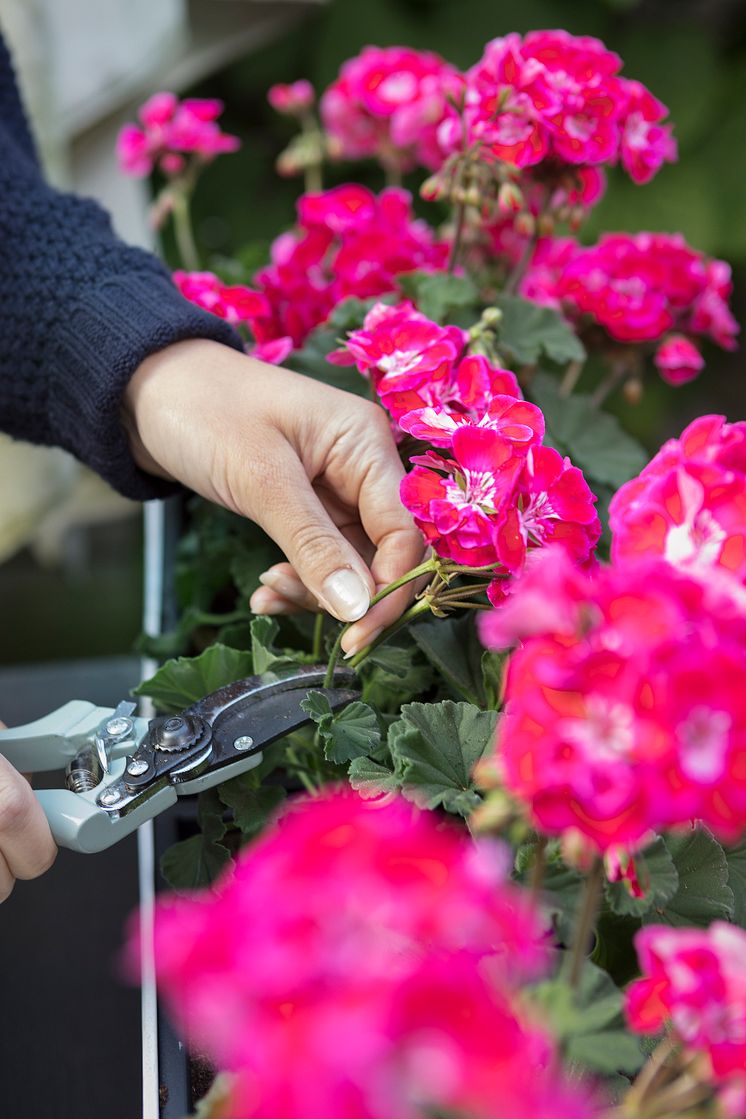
(111, 796)
(138, 766)
(118, 727)
(245, 742)
(172, 725)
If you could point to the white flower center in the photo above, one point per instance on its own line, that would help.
(607, 731)
(704, 737)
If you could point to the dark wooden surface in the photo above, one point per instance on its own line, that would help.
(69, 1024)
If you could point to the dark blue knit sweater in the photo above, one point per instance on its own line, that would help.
(79, 311)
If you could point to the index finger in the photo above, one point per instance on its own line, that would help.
(398, 544)
(25, 839)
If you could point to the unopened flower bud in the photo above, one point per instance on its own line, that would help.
(432, 189)
(491, 316)
(294, 99)
(288, 164)
(576, 218)
(492, 814)
(472, 196)
(489, 774)
(510, 199)
(545, 225)
(577, 851)
(633, 390)
(525, 224)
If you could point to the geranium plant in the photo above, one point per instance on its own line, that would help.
(526, 832)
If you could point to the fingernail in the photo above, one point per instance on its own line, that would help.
(346, 594)
(283, 584)
(362, 643)
(263, 603)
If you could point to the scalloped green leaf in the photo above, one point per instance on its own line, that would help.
(183, 681)
(594, 440)
(435, 747)
(527, 332)
(703, 895)
(346, 734)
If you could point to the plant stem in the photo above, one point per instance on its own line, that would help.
(607, 385)
(318, 636)
(183, 231)
(458, 237)
(538, 868)
(414, 611)
(585, 922)
(571, 378)
(334, 657)
(652, 1071)
(513, 281)
(430, 565)
(301, 772)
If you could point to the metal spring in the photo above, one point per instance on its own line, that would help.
(83, 772)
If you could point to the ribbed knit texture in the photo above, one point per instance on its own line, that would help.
(79, 311)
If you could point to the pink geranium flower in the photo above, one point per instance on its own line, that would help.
(639, 288)
(388, 102)
(368, 923)
(169, 130)
(349, 242)
(694, 984)
(689, 505)
(294, 99)
(624, 713)
(234, 303)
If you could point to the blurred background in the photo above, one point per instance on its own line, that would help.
(70, 552)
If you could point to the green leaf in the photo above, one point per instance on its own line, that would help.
(594, 440)
(528, 331)
(393, 674)
(435, 747)
(185, 680)
(196, 862)
(588, 1022)
(438, 294)
(703, 895)
(252, 804)
(562, 890)
(372, 780)
(350, 733)
(736, 859)
(658, 878)
(453, 648)
(265, 656)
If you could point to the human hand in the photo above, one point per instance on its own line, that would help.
(26, 845)
(317, 468)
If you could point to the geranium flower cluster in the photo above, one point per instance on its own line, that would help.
(689, 506)
(497, 492)
(169, 132)
(555, 96)
(388, 103)
(239, 305)
(349, 242)
(646, 287)
(694, 983)
(361, 962)
(626, 711)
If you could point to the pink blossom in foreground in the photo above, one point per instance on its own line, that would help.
(639, 288)
(694, 983)
(558, 98)
(171, 130)
(361, 962)
(689, 505)
(625, 715)
(388, 102)
(349, 242)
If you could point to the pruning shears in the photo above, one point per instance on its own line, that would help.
(121, 769)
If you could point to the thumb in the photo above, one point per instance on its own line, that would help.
(325, 561)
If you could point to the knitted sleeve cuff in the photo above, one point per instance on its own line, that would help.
(94, 350)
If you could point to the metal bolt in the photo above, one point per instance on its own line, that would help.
(245, 742)
(138, 766)
(110, 797)
(118, 727)
(172, 725)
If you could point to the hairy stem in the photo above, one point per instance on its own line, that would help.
(458, 237)
(515, 278)
(585, 923)
(318, 636)
(183, 231)
(408, 616)
(571, 378)
(608, 384)
(538, 869)
(652, 1072)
